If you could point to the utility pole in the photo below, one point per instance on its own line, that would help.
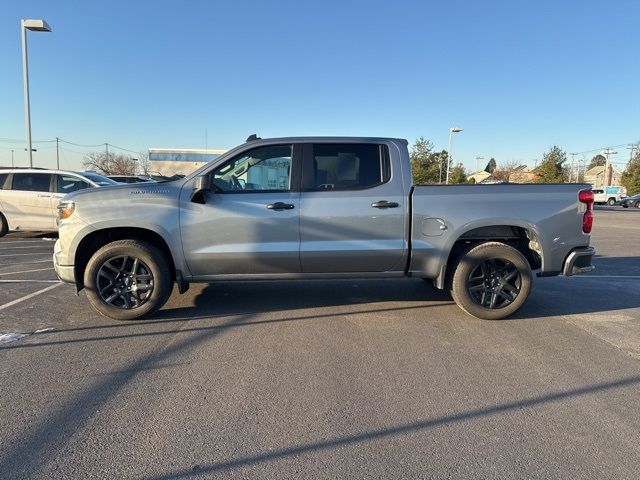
(607, 180)
(573, 159)
(57, 153)
(106, 163)
(632, 150)
(12, 165)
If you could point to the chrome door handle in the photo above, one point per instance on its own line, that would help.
(280, 206)
(42, 195)
(384, 204)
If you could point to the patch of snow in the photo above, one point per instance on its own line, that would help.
(10, 337)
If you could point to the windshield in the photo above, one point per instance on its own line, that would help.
(99, 179)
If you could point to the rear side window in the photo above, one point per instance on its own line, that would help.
(348, 167)
(31, 182)
(69, 183)
(3, 179)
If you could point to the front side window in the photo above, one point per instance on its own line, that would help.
(347, 167)
(31, 182)
(69, 183)
(260, 169)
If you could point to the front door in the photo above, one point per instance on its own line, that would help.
(352, 210)
(250, 221)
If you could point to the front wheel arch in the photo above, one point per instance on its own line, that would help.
(97, 239)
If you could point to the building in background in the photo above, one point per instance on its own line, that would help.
(179, 161)
(595, 176)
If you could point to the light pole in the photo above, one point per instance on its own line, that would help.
(477, 167)
(36, 26)
(12, 165)
(452, 130)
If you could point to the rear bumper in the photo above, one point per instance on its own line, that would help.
(579, 261)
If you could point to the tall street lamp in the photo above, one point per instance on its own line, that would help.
(36, 26)
(452, 130)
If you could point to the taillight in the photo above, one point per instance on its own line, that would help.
(586, 197)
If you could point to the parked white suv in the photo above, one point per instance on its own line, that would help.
(29, 196)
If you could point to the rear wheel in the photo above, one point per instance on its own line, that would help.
(491, 281)
(637, 205)
(611, 202)
(4, 226)
(127, 280)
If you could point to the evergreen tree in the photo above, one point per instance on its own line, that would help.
(597, 161)
(425, 163)
(458, 174)
(491, 166)
(552, 169)
(631, 176)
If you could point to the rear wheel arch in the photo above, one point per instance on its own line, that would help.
(525, 240)
(97, 239)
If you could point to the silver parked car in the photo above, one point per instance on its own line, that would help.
(29, 196)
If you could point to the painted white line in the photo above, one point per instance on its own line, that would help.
(29, 281)
(27, 297)
(48, 247)
(606, 276)
(27, 271)
(22, 242)
(22, 254)
(25, 263)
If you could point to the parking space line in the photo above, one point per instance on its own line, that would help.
(31, 295)
(22, 242)
(24, 248)
(22, 254)
(606, 276)
(25, 263)
(29, 281)
(27, 271)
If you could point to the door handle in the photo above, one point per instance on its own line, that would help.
(384, 204)
(42, 195)
(280, 206)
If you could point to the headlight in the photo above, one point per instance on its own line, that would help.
(66, 209)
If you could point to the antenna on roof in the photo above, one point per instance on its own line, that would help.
(253, 137)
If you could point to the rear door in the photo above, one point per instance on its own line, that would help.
(28, 203)
(352, 210)
(250, 222)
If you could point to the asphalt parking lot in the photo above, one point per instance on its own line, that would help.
(343, 379)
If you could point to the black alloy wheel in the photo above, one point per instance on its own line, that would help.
(494, 283)
(124, 282)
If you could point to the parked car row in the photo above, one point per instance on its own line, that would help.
(633, 202)
(29, 196)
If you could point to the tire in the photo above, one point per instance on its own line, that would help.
(637, 205)
(116, 273)
(611, 202)
(491, 270)
(4, 226)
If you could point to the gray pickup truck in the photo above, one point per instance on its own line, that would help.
(319, 208)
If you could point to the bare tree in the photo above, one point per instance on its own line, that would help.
(505, 170)
(144, 163)
(111, 164)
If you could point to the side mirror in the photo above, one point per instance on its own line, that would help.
(201, 186)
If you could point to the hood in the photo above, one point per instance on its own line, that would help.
(128, 191)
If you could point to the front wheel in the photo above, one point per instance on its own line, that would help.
(127, 279)
(491, 281)
(637, 204)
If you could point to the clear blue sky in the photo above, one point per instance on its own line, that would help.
(517, 76)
